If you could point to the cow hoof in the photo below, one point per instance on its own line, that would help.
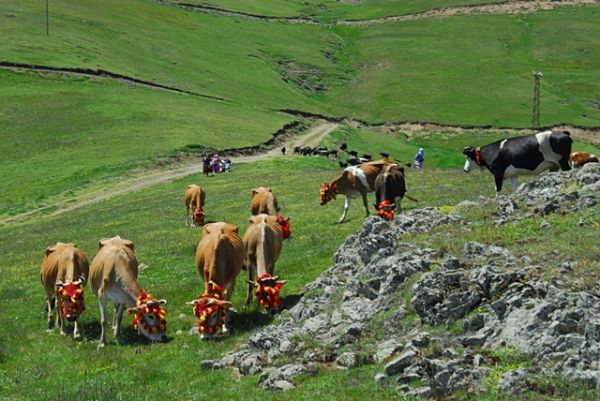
(77, 336)
(64, 334)
(101, 346)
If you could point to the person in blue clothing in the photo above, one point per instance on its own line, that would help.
(419, 158)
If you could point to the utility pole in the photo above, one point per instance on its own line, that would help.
(47, 21)
(535, 119)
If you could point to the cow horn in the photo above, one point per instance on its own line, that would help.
(162, 301)
(275, 278)
(59, 283)
(193, 303)
(282, 282)
(252, 282)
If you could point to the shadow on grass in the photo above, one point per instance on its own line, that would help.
(249, 320)
(129, 336)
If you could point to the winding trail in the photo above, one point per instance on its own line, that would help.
(146, 178)
(507, 7)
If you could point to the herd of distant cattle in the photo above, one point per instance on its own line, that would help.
(221, 253)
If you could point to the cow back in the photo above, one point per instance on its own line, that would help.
(220, 253)
(194, 195)
(262, 242)
(114, 264)
(263, 201)
(390, 183)
(64, 262)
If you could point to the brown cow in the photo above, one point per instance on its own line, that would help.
(354, 181)
(262, 243)
(578, 159)
(263, 201)
(63, 274)
(113, 276)
(390, 188)
(193, 198)
(219, 259)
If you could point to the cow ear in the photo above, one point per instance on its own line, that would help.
(50, 249)
(233, 228)
(401, 170)
(254, 191)
(128, 244)
(467, 150)
(102, 242)
(269, 189)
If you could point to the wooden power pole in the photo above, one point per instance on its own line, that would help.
(535, 119)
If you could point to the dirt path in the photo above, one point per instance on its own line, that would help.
(147, 178)
(507, 7)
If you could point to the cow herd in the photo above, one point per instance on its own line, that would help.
(221, 253)
(220, 256)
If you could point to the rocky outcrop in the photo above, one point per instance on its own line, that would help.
(482, 299)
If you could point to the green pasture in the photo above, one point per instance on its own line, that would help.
(330, 10)
(476, 69)
(470, 69)
(62, 133)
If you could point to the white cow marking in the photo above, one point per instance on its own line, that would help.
(360, 175)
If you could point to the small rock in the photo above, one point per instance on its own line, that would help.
(380, 377)
(347, 360)
(544, 224)
(281, 385)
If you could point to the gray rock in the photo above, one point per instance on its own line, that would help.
(279, 385)
(399, 364)
(380, 377)
(513, 381)
(347, 360)
(386, 349)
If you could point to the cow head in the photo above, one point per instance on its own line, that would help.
(473, 158)
(149, 319)
(211, 308)
(385, 209)
(198, 216)
(267, 291)
(70, 296)
(327, 192)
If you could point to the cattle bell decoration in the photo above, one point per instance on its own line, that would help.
(198, 216)
(285, 226)
(149, 305)
(385, 210)
(206, 306)
(267, 295)
(72, 299)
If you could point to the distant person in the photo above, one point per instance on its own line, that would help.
(216, 163)
(419, 158)
(283, 150)
(227, 165)
(206, 167)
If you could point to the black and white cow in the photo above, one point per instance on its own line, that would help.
(529, 154)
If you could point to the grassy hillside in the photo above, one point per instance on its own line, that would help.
(330, 10)
(476, 69)
(60, 133)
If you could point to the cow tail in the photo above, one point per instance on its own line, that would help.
(260, 252)
(407, 196)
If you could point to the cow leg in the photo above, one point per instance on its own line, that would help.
(103, 320)
(364, 197)
(76, 331)
(499, 177)
(230, 288)
(51, 300)
(61, 321)
(564, 163)
(250, 285)
(118, 317)
(346, 207)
